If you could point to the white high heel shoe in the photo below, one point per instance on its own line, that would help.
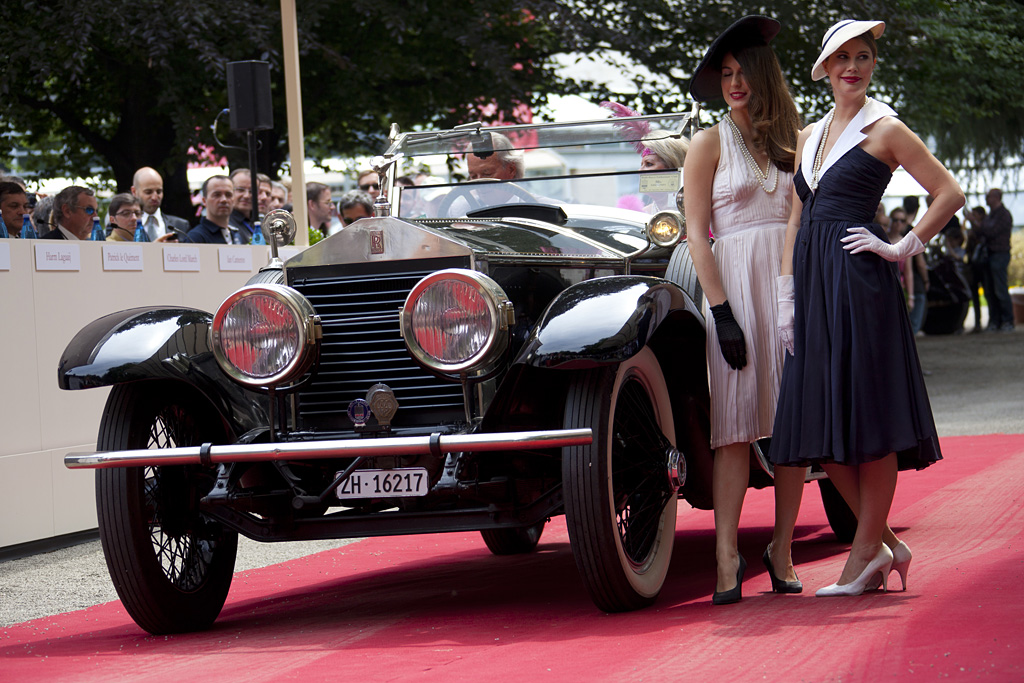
(901, 558)
(882, 562)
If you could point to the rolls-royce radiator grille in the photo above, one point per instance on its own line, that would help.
(362, 346)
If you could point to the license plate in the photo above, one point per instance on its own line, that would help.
(393, 483)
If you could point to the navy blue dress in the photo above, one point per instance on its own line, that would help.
(854, 391)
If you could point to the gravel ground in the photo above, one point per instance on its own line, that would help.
(975, 382)
(76, 577)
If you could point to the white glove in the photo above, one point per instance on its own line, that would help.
(786, 311)
(861, 239)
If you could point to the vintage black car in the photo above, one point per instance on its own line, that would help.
(480, 356)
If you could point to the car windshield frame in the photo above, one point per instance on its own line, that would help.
(476, 135)
(551, 183)
(645, 191)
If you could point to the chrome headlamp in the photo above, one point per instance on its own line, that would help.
(666, 228)
(457, 321)
(265, 335)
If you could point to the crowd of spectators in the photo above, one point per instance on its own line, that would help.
(980, 247)
(69, 214)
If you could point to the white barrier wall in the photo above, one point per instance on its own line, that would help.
(50, 289)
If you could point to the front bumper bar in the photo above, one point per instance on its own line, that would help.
(341, 448)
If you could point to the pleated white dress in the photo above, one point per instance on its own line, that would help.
(749, 226)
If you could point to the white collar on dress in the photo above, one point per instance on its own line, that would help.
(850, 138)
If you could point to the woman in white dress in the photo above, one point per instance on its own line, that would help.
(739, 186)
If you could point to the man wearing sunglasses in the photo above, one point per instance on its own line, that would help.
(369, 183)
(73, 209)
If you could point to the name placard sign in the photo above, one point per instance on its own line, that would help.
(668, 181)
(181, 259)
(5, 256)
(285, 253)
(59, 255)
(122, 256)
(235, 258)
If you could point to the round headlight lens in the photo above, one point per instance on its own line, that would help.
(666, 228)
(450, 321)
(261, 334)
(454, 320)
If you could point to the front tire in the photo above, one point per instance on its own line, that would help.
(620, 508)
(170, 564)
(682, 272)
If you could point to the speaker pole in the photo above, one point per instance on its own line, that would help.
(251, 110)
(254, 183)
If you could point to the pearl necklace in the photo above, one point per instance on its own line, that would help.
(771, 174)
(819, 156)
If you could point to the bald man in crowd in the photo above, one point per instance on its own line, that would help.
(148, 187)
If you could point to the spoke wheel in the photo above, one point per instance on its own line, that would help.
(620, 509)
(513, 541)
(171, 565)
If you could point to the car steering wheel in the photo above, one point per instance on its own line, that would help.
(467, 192)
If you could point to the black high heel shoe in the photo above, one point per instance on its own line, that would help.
(733, 594)
(778, 585)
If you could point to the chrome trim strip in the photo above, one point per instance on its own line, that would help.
(341, 448)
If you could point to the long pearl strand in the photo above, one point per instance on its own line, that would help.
(819, 156)
(771, 174)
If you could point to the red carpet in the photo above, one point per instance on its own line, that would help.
(425, 608)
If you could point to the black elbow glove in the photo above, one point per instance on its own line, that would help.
(730, 336)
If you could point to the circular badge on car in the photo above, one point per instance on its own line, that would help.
(359, 412)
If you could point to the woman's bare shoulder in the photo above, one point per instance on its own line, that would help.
(889, 128)
(705, 137)
(704, 149)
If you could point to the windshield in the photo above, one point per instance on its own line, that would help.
(480, 138)
(592, 193)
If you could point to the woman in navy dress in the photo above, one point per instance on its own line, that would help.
(853, 397)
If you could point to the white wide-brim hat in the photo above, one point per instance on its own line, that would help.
(837, 35)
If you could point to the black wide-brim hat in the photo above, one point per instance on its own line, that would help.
(705, 86)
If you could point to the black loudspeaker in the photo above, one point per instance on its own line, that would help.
(249, 96)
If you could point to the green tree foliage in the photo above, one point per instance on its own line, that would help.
(110, 85)
(951, 68)
(961, 79)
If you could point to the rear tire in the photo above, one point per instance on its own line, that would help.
(620, 509)
(840, 516)
(170, 564)
(513, 541)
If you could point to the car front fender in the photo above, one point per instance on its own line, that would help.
(157, 343)
(602, 321)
